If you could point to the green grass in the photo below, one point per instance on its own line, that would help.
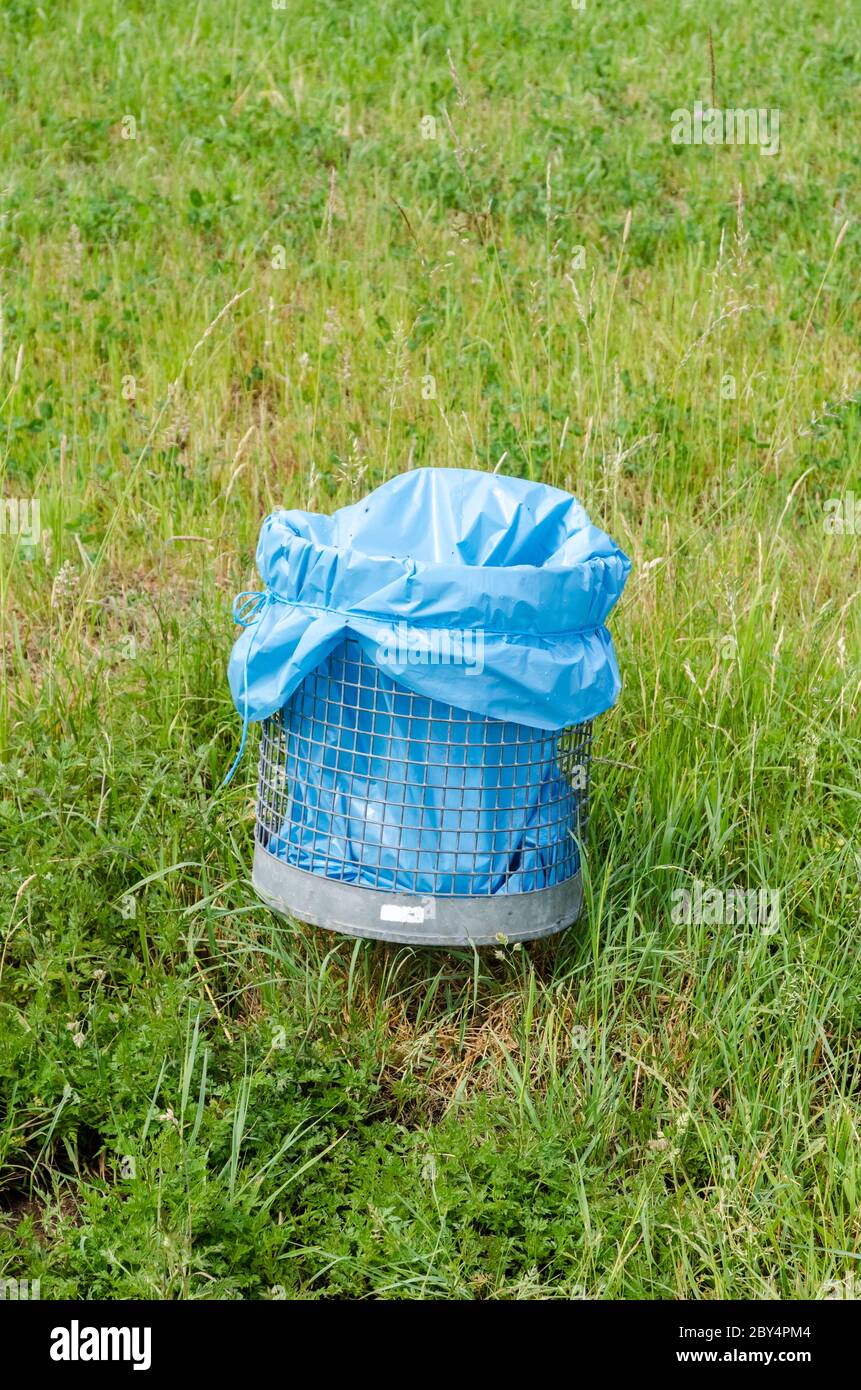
(198, 1100)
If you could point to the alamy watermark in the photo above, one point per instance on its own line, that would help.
(849, 1287)
(703, 905)
(77, 1343)
(718, 125)
(19, 516)
(431, 646)
(843, 515)
(29, 1290)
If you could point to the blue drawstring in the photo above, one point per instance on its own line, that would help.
(247, 610)
(248, 606)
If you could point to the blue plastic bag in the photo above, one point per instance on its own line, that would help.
(485, 592)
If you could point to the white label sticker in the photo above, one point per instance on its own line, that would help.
(392, 913)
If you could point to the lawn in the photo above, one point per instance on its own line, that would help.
(252, 256)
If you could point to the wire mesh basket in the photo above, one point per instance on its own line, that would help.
(383, 813)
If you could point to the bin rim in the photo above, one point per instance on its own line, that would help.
(351, 548)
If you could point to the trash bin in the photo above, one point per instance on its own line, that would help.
(426, 666)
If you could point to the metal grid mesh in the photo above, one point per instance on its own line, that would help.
(365, 782)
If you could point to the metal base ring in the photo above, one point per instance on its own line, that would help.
(408, 919)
